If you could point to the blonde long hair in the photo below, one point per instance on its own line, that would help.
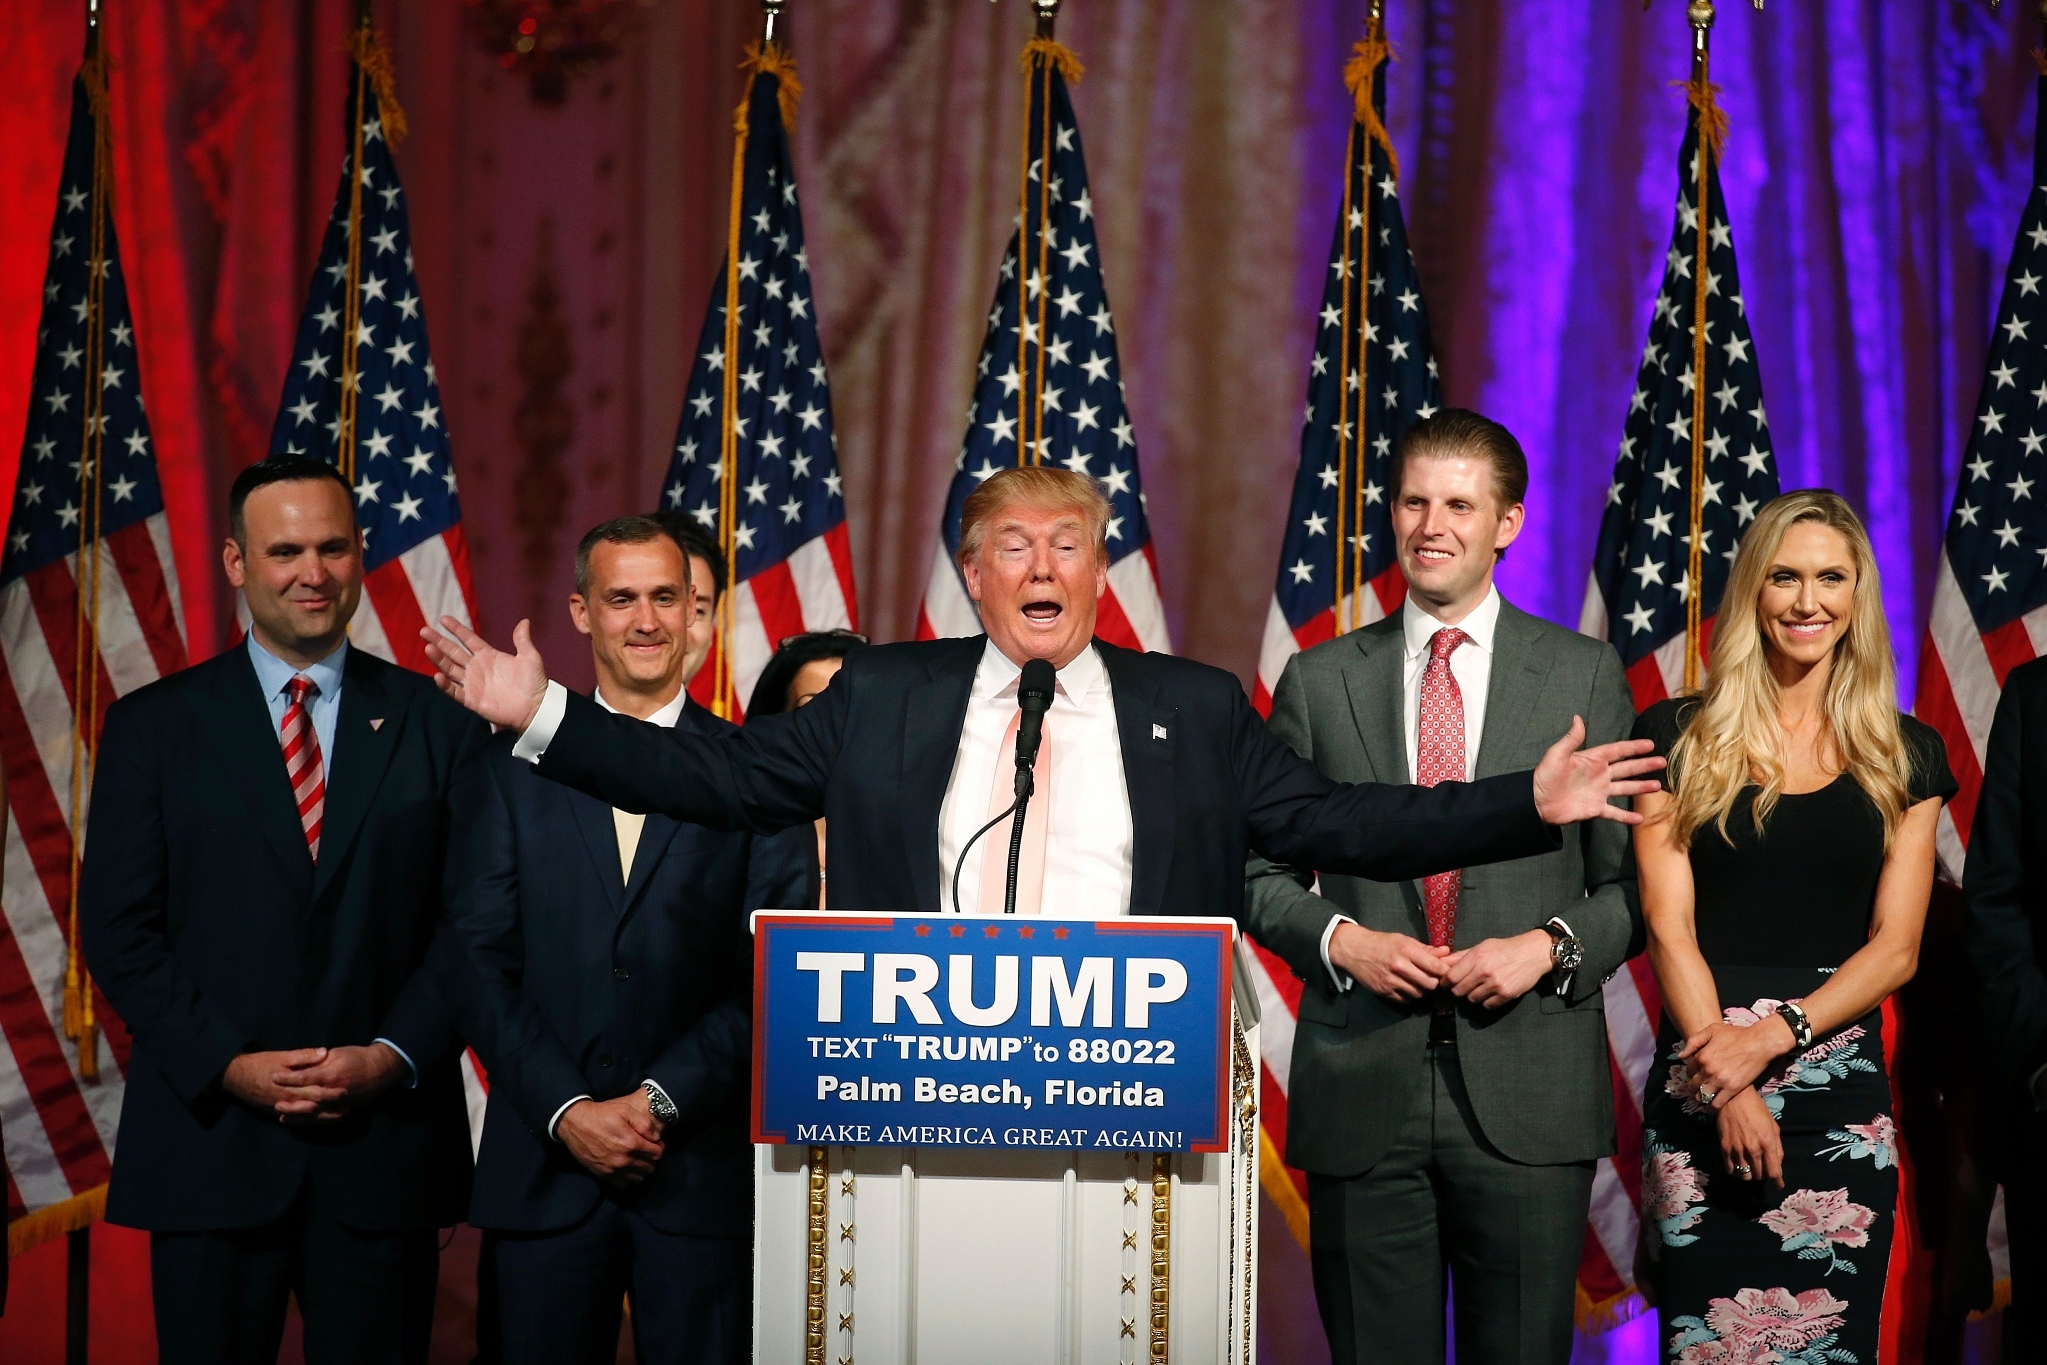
(1733, 737)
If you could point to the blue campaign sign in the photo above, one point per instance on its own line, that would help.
(1004, 1031)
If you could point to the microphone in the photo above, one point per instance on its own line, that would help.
(1034, 699)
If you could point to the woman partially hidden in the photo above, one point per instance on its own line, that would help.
(1784, 874)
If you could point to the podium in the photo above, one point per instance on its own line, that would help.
(1003, 1139)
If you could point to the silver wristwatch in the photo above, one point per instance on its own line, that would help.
(1566, 953)
(659, 1105)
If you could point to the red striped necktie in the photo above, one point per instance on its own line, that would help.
(1439, 757)
(302, 759)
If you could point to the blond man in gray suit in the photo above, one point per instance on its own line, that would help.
(1450, 1087)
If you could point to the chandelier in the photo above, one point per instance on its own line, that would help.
(549, 41)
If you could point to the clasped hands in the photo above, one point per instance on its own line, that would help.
(1722, 1062)
(618, 1141)
(313, 1084)
(1493, 973)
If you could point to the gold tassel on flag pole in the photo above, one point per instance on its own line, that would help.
(768, 57)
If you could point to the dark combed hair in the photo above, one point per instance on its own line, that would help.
(771, 691)
(617, 531)
(694, 540)
(1450, 432)
(277, 469)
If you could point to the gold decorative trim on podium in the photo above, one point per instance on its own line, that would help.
(817, 1252)
(845, 1246)
(1246, 1187)
(1161, 1254)
(1127, 1263)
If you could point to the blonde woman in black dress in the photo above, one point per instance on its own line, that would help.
(1784, 879)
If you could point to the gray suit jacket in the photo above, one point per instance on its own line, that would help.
(1537, 1070)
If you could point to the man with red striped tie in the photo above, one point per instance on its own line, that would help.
(263, 879)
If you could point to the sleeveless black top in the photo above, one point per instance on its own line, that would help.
(1801, 892)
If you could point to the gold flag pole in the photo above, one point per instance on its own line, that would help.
(351, 300)
(1360, 75)
(768, 56)
(79, 1023)
(1041, 56)
(1700, 13)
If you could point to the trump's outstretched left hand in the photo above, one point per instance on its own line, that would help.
(1573, 784)
(505, 689)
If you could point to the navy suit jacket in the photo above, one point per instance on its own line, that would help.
(583, 982)
(212, 933)
(2006, 880)
(1207, 783)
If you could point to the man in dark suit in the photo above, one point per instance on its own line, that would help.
(1159, 777)
(2005, 883)
(1450, 1085)
(262, 881)
(609, 990)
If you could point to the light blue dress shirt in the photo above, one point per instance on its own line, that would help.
(274, 676)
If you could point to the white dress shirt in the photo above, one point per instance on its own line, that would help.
(626, 825)
(1471, 664)
(1088, 833)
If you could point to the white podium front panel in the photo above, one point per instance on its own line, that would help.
(937, 1256)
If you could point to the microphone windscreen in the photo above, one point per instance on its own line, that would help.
(1034, 689)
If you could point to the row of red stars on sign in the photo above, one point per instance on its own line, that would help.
(988, 931)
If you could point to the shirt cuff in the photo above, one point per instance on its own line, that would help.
(558, 1116)
(1340, 979)
(535, 738)
(412, 1084)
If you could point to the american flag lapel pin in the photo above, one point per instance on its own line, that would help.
(1158, 732)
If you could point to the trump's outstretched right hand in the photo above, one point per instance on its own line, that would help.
(505, 689)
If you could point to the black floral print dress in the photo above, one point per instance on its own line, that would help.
(1749, 1273)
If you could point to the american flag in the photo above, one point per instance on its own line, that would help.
(1048, 386)
(361, 392)
(1990, 595)
(72, 639)
(781, 514)
(1372, 377)
(1637, 597)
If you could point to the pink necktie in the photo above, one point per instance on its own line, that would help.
(302, 760)
(1030, 866)
(1439, 757)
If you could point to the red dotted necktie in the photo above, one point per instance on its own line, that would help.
(302, 759)
(1439, 757)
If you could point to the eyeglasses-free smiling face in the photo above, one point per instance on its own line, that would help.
(1449, 529)
(1037, 577)
(1808, 593)
(299, 565)
(637, 614)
